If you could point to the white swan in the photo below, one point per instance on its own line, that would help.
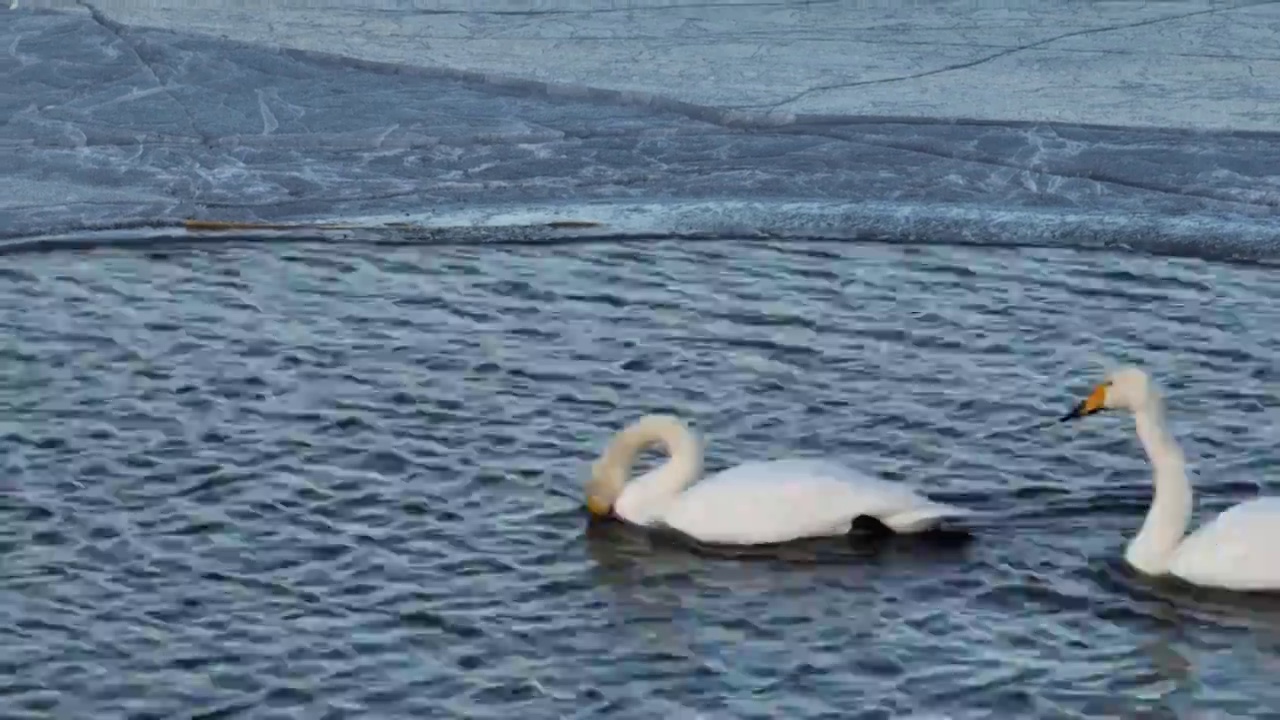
(753, 503)
(1238, 550)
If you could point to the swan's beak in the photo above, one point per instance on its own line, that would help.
(1096, 402)
(598, 506)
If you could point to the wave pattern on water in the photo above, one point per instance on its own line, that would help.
(329, 479)
(307, 479)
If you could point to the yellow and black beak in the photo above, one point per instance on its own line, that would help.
(598, 506)
(1096, 402)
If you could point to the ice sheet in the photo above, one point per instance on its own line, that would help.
(1147, 124)
(1185, 64)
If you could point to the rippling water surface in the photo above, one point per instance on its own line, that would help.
(341, 476)
(318, 480)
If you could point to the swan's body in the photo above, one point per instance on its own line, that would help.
(759, 502)
(1237, 550)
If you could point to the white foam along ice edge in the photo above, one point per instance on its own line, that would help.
(1228, 238)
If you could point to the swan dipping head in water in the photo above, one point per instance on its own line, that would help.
(756, 502)
(1237, 550)
(610, 473)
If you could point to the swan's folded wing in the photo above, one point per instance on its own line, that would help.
(781, 500)
(1237, 550)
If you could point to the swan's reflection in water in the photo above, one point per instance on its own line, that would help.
(612, 543)
(1171, 603)
(1177, 654)
(733, 617)
(686, 603)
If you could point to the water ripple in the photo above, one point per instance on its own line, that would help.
(340, 481)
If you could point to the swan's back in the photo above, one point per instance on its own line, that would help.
(1236, 550)
(781, 500)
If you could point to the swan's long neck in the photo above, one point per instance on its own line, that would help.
(646, 498)
(1170, 514)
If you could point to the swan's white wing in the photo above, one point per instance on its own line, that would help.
(1238, 550)
(781, 500)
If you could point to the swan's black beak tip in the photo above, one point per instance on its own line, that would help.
(1082, 409)
(1076, 412)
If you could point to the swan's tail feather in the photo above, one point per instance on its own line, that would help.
(925, 517)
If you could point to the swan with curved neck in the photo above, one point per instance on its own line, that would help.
(1238, 550)
(757, 502)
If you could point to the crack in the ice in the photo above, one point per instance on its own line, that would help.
(117, 30)
(601, 11)
(1101, 178)
(994, 56)
(897, 42)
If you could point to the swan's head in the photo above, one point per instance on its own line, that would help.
(1128, 388)
(610, 472)
(604, 486)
